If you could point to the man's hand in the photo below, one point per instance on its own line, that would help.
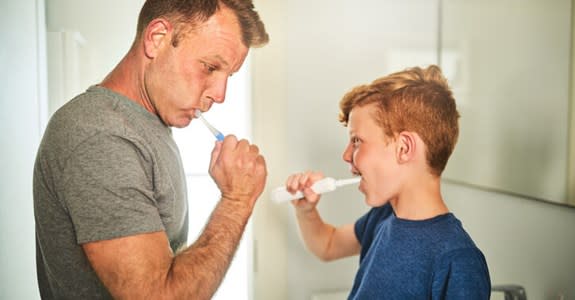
(239, 170)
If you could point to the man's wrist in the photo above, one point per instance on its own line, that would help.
(238, 201)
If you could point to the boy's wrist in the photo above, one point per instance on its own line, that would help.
(306, 211)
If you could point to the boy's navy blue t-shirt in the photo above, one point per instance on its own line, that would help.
(428, 259)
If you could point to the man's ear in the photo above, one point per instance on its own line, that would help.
(405, 146)
(156, 35)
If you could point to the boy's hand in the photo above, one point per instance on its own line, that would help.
(303, 182)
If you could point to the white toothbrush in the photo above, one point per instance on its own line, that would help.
(219, 136)
(324, 185)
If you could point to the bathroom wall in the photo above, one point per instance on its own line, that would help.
(318, 51)
(85, 41)
(22, 112)
(525, 242)
(269, 103)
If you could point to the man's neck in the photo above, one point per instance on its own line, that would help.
(127, 79)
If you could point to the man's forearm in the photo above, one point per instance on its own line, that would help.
(197, 271)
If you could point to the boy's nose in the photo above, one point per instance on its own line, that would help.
(348, 154)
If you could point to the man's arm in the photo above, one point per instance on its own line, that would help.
(143, 266)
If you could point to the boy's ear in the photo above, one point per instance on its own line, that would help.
(156, 35)
(405, 146)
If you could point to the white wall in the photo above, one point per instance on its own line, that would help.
(86, 40)
(318, 51)
(269, 129)
(22, 96)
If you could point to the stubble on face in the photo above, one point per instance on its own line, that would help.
(193, 75)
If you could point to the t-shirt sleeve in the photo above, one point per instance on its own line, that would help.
(108, 189)
(462, 274)
(360, 226)
(365, 225)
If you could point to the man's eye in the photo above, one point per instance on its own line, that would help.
(209, 67)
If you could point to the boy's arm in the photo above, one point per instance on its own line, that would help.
(324, 240)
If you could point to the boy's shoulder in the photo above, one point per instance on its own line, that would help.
(450, 234)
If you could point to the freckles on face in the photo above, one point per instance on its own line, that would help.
(369, 154)
(364, 139)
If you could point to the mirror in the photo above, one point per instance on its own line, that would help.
(510, 71)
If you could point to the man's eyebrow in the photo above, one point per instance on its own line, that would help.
(220, 59)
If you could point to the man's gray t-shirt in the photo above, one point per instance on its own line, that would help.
(106, 168)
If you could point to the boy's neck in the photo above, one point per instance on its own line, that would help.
(420, 201)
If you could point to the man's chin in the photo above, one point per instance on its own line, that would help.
(181, 123)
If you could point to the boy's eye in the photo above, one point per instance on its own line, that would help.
(355, 141)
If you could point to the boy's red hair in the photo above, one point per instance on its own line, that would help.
(417, 100)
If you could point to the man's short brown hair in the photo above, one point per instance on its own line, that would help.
(417, 100)
(187, 13)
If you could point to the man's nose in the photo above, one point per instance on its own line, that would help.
(217, 91)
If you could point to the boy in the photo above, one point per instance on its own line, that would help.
(402, 130)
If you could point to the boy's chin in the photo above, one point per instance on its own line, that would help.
(374, 201)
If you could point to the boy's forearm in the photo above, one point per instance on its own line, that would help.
(316, 234)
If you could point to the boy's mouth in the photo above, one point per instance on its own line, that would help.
(355, 171)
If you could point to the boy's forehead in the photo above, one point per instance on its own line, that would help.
(362, 115)
(359, 112)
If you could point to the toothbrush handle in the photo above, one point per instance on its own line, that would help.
(324, 185)
(280, 194)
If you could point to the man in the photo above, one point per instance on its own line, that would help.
(109, 189)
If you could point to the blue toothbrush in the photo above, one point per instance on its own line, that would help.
(219, 136)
